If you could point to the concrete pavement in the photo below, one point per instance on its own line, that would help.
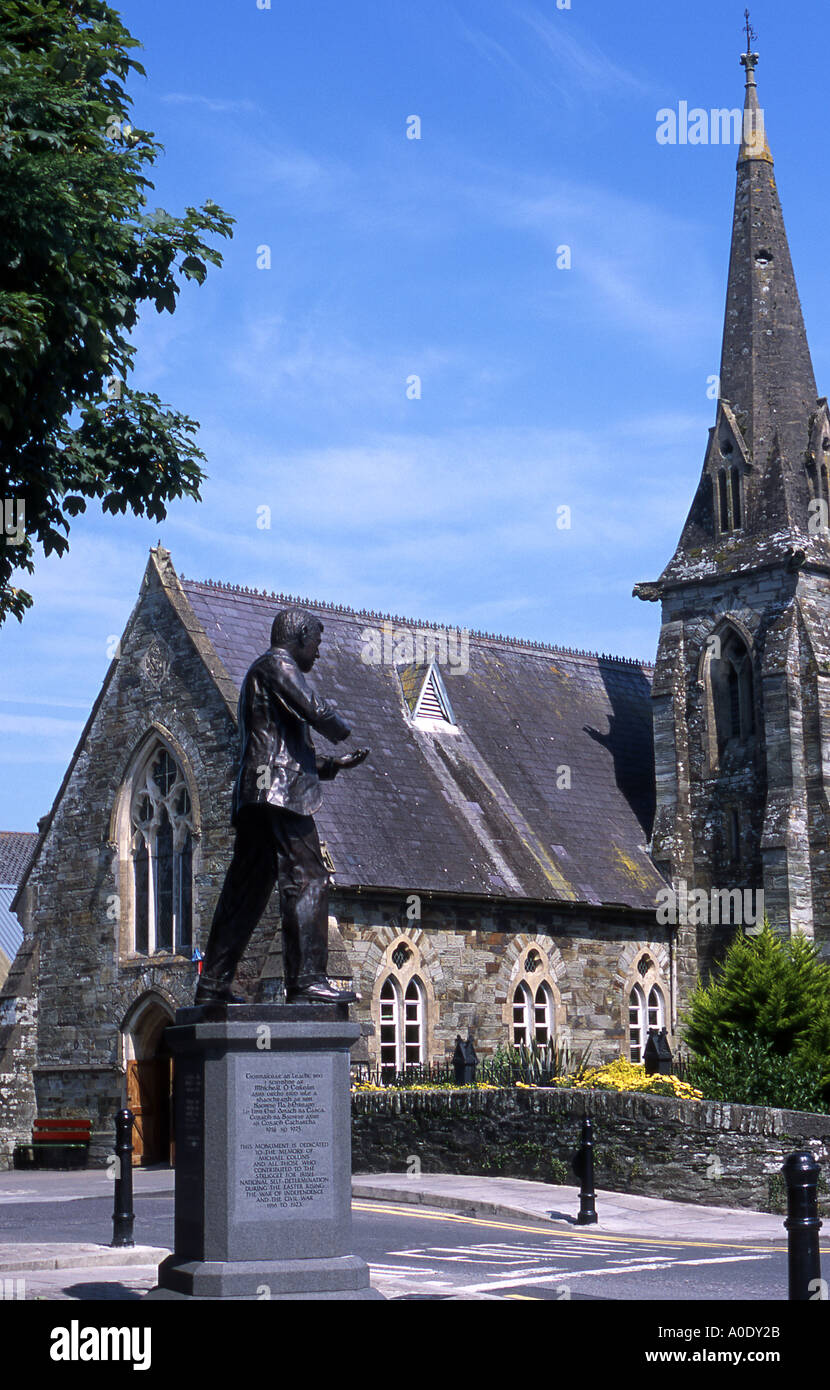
(619, 1213)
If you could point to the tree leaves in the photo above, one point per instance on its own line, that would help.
(79, 254)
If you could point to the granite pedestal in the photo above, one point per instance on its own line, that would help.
(263, 1155)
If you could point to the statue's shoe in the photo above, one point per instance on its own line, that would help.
(320, 992)
(216, 994)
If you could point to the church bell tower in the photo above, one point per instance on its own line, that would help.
(741, 694)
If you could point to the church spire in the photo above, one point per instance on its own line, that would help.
(769, 452)
(766, 370)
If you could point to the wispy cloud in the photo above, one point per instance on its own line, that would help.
(38, 726)
(26, 740)
(495, 53)
(44, 702)
(408, 515)
(583, 64)
(551, 55)
(626, 252)
(221, 105)
(286, 361)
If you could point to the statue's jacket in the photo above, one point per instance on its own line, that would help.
(278, 765)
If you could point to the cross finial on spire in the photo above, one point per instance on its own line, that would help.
(750, 32)
(749, 59)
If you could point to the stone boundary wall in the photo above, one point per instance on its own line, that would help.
(686, 1151)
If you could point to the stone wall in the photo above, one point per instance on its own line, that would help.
(776, 779)
(18, 1050)
(688, 1151)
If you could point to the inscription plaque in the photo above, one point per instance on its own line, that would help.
(285, 1137)
(192, 1109)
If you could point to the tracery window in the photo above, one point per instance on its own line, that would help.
(644, 1012)
(533, 1015)
(162, 856)
(402, 1026)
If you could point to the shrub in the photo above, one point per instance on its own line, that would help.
(746, 1070)
(771, 991)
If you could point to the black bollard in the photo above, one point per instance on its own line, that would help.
(583, 1166)
(123, 1215)
(803, 1225)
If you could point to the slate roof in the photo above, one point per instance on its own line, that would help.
(16, 849)
(485, 811)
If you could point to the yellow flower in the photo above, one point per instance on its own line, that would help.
(622, 1075)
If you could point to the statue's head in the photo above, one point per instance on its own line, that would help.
(299, 633)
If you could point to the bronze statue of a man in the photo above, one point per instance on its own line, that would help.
(275, 796)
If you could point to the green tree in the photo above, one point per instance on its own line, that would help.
(770, 988)
(79, 255)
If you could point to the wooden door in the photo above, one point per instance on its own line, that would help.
(148, 1096)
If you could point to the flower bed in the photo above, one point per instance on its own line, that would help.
(619, 1075)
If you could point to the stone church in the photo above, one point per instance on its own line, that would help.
(499, 863)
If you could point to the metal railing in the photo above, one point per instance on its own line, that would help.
(534, 1065)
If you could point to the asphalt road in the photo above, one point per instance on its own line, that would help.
(417, 1253)
(446, 1254)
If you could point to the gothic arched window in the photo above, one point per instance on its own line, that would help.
(732, 692)
(730, 504)
(724, 501)
(736, 497)
(162, 854)
(402, 1026)
(644, 1012)
(413, 1012)
(533, 1015)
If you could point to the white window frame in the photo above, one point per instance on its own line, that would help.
(649, 1012)
(414, 1018)
(403, 1031)
(148, 801)
(526, 1005)
(522, 1021)
(544, 1026)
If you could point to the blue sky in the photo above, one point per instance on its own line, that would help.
(541, 387)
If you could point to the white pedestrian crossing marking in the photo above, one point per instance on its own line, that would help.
(507, 1266)
(643, 1266)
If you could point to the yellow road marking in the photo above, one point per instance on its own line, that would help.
(436, 1213)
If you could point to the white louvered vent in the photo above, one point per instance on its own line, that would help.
(429, 705)
(432, 702)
